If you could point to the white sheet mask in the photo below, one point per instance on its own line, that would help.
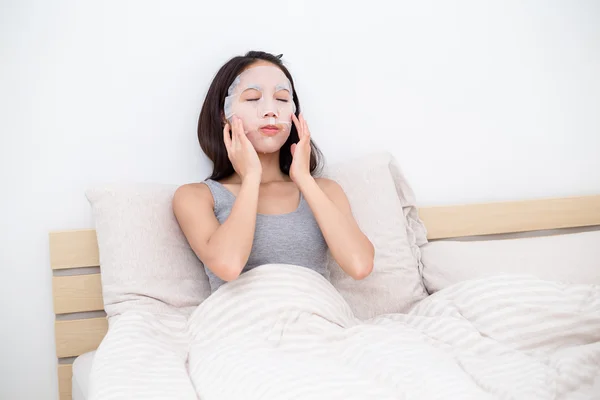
(257, 96)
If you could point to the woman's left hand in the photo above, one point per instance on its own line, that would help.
(300, 168)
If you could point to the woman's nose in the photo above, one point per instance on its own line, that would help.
(270, 114)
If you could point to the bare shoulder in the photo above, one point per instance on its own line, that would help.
(329, 186)
(192, 194)
(336, 194)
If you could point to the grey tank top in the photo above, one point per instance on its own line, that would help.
(292, 238)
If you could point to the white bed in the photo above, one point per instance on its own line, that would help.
(82, 367)
(566, 339)
(200, 351)
(284, 332)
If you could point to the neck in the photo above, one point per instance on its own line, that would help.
(270, 168)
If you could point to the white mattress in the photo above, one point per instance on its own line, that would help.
(82, 366)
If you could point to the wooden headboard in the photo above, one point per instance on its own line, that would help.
(77, 299)
(81, 325)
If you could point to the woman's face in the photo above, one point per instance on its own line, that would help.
(262, 98)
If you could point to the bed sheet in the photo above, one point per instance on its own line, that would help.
(284, 332)
(80, 384)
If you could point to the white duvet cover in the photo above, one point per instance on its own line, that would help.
(283, 332)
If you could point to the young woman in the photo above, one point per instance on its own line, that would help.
(262, 203)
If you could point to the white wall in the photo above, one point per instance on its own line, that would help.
(478, 100)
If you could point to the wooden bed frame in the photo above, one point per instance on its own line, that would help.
(81, 325)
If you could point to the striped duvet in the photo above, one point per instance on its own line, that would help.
(284, 332)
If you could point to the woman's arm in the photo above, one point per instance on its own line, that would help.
(224, 249)
(352, 250)
(349, 246)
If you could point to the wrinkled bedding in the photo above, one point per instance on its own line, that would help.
(284, 332)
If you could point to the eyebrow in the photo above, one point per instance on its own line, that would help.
(278, 88)
(282, 87)
(253, 87)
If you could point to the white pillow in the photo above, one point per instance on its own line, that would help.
(145, 260)
(384, 207)
(570, 258)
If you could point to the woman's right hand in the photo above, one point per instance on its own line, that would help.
(240, 151)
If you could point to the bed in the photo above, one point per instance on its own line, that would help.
(81, 324)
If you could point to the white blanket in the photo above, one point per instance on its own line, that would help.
(283, 332)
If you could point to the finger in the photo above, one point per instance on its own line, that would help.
(303, 124)
(298, 125)
(242, 137)
(240, 131)
(236, 125)
(293, 148)
(305, 129)
(234, 135)
(245, 143)
(303, 136)
(226, 137)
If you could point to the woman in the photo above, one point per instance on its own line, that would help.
(262, 204)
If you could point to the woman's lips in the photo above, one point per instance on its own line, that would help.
(269, 130)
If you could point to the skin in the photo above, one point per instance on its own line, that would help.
(261, 187)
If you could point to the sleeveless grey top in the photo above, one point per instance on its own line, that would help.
(292, 238)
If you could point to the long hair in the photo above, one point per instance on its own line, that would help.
(211, 124)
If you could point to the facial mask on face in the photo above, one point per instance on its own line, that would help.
(261, 96)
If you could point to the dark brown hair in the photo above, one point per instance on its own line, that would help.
(210, 123)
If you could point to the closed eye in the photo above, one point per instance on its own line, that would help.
(252, 99)
(284, 100)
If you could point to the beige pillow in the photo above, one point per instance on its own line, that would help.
(146, 262)
(570, 258)
(384, 206)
